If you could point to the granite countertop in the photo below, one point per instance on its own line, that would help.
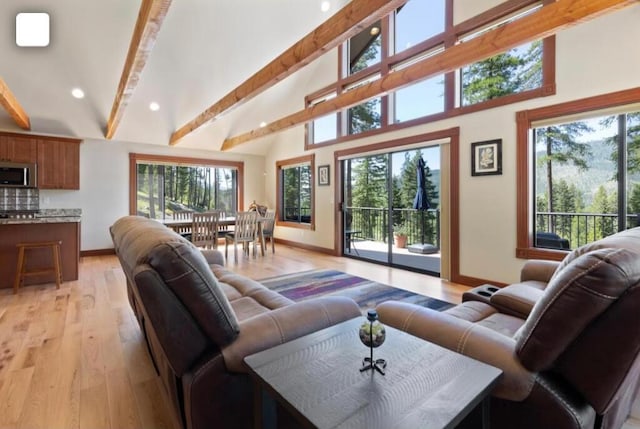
(47, 216)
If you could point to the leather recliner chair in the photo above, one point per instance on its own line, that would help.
(200, 320)
(573, 360)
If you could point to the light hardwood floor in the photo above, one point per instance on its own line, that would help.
(75, 357)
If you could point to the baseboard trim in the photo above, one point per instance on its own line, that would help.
(97, 252)
(474, 281)
(304, 246)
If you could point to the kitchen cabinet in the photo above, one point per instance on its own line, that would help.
(14, 148)
(35, 231)
(58, 163)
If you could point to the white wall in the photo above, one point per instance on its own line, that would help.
(104, 185)
(594, 58)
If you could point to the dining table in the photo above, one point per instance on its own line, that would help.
(177, 224)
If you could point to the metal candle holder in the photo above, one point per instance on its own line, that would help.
(369, 339)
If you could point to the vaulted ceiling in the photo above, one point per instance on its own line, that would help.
(188, 55)
(204, 49)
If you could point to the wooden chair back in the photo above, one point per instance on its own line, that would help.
(246, 227)
(268, 222)
(204, 230)
(182, 215)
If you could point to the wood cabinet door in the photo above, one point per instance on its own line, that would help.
(58, 164)
(18, 149)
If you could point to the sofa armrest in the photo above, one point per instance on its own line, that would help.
(538, 270)
(464, 337)
(517, 299)
(213, 257)
(270, 329)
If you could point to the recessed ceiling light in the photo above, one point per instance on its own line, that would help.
(325, 6)
(374, 31)
(154, 106)
(263, 124)
(77, 93)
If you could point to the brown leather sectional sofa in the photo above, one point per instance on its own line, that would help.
(200, 320)
(567, 337)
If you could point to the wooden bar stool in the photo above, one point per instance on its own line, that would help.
(56, 269)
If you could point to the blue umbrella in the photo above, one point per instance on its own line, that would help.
(421, 200)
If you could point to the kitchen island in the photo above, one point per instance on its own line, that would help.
(46, 225)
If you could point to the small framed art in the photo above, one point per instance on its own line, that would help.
(323, 175)
(486, 158)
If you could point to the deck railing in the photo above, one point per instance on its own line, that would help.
(372, 223)
(582, 228)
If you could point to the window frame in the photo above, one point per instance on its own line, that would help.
(525, 246)
(280, 166)
(136, 158)
(446, 39)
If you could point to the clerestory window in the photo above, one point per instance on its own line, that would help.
(413, 33)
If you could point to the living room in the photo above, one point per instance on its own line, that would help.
(484, 237)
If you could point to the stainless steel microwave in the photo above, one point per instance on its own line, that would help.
(16, 175)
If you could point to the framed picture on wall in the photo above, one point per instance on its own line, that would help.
(486, 158)
(323, 175)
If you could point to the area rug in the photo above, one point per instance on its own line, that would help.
(310, 284)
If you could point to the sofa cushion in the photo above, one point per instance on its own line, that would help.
(186, 272)
(250, 288)
(584, 289)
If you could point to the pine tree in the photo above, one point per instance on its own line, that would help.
(370, 190)
(530, 75)
(633, 140)
(567, 200)
(561, 148)
(604, 202)
(633, 205)
(491, 78)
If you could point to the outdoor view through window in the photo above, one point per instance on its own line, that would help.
(165, 190)
(584, 188)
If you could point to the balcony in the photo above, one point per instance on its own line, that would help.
(367, 235)
(577, 229)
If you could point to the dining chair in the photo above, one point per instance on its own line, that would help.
(222, 228)
(268, 224)
(204, 230)
(184, 231)
(245, 231)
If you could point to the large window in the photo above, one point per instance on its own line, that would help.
(295, 191)
(587, 179)
(415, 32)
(582, 163)
(163, 186)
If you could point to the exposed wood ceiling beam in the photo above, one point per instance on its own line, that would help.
(543, 23)
(347, 22)
(11, 105)
(150, 18)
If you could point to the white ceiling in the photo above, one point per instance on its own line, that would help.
(204, 49)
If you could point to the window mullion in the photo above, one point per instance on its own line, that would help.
(622, 172)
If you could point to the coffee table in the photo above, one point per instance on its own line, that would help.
(317, 379)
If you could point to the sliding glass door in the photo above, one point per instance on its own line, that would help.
(391, 212)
